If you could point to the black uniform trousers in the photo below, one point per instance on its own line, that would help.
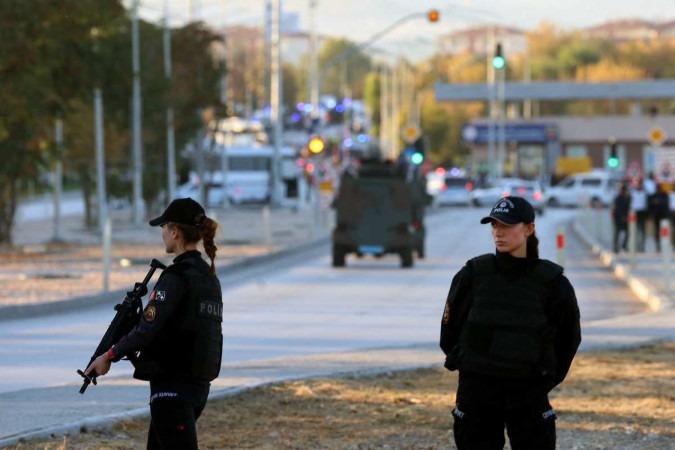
(175, 406)
(483, 411)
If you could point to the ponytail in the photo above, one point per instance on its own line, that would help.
(533, 246)
(208, 232)
(204, 230)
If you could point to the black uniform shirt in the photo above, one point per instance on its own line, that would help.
(162, 302)
(562, 312)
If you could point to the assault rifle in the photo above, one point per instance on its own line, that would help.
(127, 316)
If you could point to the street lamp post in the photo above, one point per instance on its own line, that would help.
(276, 101)
(314, 66)
(432, 16)
(137, 150)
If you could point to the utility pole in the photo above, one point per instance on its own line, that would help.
(58, 178)
(491, 102)
(137, 150)
(314, 65)
(384, 112)
(276, 96)
(224, 99)
(268, 53)
(100, 160)
(501, 135)
(170, 134)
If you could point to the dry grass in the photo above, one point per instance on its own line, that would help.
(612, 400)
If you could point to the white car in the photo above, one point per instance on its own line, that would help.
(530, 190)
(455, 190)
(591, 188)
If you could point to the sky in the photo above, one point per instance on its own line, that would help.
(360, 20)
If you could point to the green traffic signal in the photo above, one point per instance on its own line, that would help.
(417, 158)
(613, 160)
(498, 61)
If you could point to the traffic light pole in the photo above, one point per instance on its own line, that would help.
(501, 133)
(275, 102)
(491, 106)
(431, 15)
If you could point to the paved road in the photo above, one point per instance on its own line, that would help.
(300, 319)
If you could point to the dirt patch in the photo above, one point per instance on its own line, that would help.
(611, 400)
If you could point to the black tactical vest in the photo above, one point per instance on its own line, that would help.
(507, 332)
(191, 344)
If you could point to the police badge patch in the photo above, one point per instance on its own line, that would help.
(159, 296)
(150, 313)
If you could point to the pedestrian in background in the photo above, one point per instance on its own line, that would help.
(659, 208)
(620, 210)
(179, 335)
(638, 203)
(511, 328)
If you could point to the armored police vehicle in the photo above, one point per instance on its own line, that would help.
(380, 210)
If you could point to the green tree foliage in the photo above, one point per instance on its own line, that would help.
(371, 97)
(343, 66)
(552, 54)
(45, 60)
(53, 54)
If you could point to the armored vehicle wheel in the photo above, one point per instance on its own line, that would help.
(407, 258)
(420, 251)
(338, 256)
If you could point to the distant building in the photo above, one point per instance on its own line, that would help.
(480, 40)
(533, 147)
(667, 30)
(623, 30)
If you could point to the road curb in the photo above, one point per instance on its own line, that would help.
(13, 312)
(644, 291)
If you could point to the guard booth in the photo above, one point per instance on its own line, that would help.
(530, 150)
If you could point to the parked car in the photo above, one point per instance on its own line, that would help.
(591, 188)
(530, 190)
(214, 194)
(456, 190)
(435, 180)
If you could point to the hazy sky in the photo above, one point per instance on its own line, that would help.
(359, 20)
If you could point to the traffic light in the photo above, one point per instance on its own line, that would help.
(316, 145)
(433, 15)
(418, 151)
(498, 61)
(613, 160)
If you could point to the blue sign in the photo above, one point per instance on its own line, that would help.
(519, 133)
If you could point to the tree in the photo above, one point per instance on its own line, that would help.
(371, 96)
(577, 56)
(50, 62)
(45, 61)
(345, 68)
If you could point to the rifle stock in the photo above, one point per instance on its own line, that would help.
(127, 316)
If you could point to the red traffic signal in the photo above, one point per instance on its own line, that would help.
(433, 15)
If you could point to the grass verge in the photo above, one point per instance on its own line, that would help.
(611, 400)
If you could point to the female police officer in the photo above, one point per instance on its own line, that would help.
(511, 328)
(179, 336)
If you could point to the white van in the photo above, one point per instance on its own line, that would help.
(591, 188)
(248, 176)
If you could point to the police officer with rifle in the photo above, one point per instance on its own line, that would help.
(176, 341)
(511, 328)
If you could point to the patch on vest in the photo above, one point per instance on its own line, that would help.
(160, 296)
(150, 313)
(210, 309)
(446, 313)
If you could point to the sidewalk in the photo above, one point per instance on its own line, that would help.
(645, 280)
(42, 276)
(243, 237)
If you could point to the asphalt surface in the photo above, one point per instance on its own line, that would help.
(55, 410)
